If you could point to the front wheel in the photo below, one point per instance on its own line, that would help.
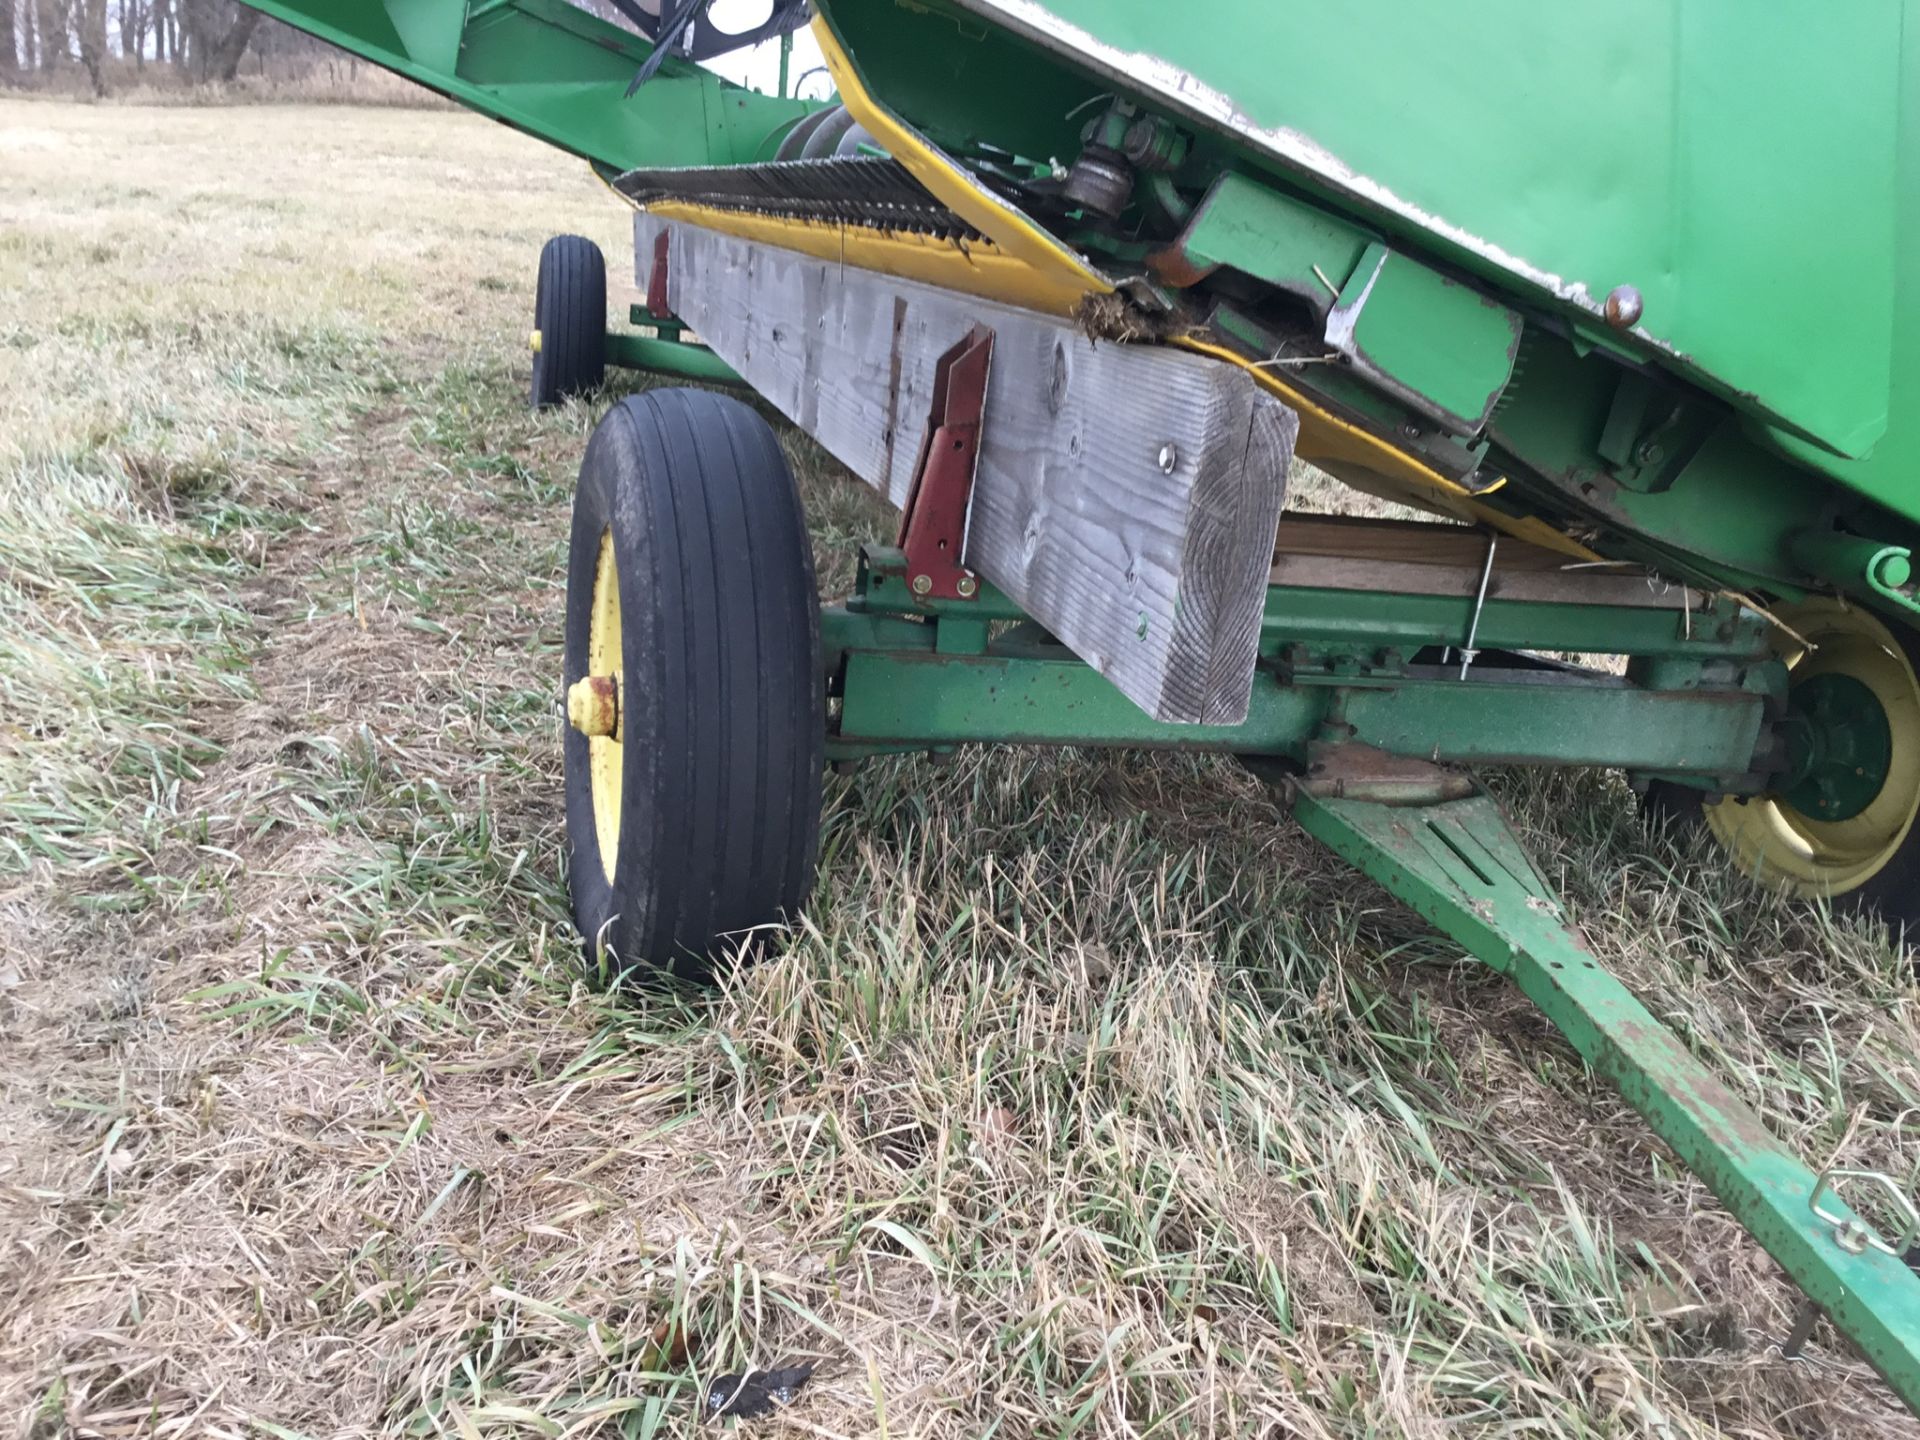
(569, 320)
(695, 705)
(1840, 823)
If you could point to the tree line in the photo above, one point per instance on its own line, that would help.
(105, 43)
(196, 41)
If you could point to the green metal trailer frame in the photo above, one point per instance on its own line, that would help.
(1348, 677)
(1735, 437)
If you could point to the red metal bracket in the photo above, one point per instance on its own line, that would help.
(933, 525)
(657, 281)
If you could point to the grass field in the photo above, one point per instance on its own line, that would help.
(1091, 1100)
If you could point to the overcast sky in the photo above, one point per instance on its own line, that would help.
(760, 66)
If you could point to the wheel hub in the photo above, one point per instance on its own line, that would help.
(1839, 747)
(593, 706)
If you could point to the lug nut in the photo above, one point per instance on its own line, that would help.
(593, 706)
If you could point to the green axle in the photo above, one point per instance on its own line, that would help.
(926, 674)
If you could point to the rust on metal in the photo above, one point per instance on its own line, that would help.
(657, 304)
(593, 706)
(1623, 307)
(933, 523)
(1352, 771)
(1172, 264)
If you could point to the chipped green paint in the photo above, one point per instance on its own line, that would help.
(1459, 864)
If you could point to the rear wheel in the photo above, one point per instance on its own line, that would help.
(695, 706)
(1841, 822)
(569, 320)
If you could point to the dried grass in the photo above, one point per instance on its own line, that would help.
(1091, 1100)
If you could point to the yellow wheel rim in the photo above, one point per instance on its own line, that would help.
(1774, 842)
(605, 752)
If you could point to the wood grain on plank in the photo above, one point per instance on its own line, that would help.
(1414, 557)
(1125, 497)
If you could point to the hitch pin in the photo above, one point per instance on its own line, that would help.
(1467, 653)
(1854, 1236)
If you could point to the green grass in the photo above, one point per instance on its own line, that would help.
(1091, 1098)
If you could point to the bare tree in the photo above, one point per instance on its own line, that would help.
(224, 63)
(135, 18)
(52, 18)
(90, 29)
(9, 56)
(216, 35)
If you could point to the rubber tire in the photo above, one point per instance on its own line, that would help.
(570, 312)
(1893, 894)
(723, 707)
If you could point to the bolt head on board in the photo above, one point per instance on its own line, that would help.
(1168, 457)
(922, 584)
(966, 587)
(1623, 307)
(593, 706)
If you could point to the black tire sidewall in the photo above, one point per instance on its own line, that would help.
(570, 312)
(723, 713)
(595, 902)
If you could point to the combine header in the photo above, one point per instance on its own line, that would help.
(1071, 285)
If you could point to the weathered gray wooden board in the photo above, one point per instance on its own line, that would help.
(1125, 495)
(1417, 557)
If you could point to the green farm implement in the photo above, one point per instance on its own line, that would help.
(1622, 301)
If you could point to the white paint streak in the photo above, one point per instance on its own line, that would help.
(1344, 319)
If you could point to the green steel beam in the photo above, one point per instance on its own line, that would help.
(670, 357)
(918, 699)
(558, 73)
(1458, 864)
(919, 674)
(1298, 616)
